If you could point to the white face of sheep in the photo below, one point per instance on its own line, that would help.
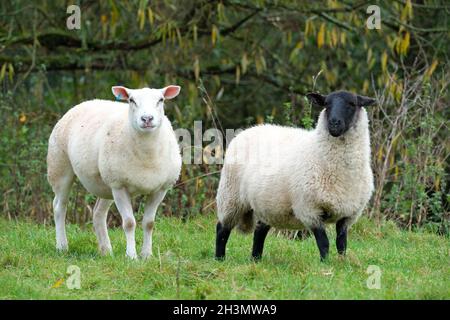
(146, 109)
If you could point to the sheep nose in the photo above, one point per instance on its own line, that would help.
(335, 122)
(147, 119)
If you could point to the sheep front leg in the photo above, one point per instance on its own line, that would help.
(322, 241)
(341, 236)
(123, 203)
(148, 221)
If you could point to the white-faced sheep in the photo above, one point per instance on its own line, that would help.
(117, 150)
(292, 178)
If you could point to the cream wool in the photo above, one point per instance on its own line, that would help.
(117, 151)
(293, 178)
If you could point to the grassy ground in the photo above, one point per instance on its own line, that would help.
(413, 265)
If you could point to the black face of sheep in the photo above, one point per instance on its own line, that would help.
(341, 108)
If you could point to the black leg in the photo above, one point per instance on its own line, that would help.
(322, 241)
(258, 240)
(222, 235)
(341, 236)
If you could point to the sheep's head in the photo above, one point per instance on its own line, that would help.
(146, 109)
(341, 108)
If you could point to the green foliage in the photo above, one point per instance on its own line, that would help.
(239, 63)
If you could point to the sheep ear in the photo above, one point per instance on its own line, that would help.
(364, 101)
(316, 98)
(171, 92)
(121, 93)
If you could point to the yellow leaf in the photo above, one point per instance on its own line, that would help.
(369, 55)
(343, 38)
(194, 32)
(399, 92)
(409, 8)
(404, 15)
(3, 71)
(180, 39)
(321, 36)
(334, 37)
(103, 18)
(11, 72)
(380, 154)
(405, 43)
(244, 63)
(141, 17)
(289, 37)
(221, 11)
(114, 16)
(431, 69)
(22, 118)
(263, 61)
(307, 27)
(384, 58)
(197, 68)
(58, 284)
(151, 17)
(238, 74)
(366, 86)
(259, 119)
(437, 183)
(214, 34)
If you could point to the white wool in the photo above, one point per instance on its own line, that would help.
(290, 177)
(117, 151)
(105, 152)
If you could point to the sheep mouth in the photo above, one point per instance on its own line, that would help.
(148, 126)
(335, 132)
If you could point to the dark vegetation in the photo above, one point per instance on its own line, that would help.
(239, 63)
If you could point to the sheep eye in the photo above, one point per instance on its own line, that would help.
(132, 101)
(161, 100)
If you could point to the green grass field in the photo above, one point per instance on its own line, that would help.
(413, 265)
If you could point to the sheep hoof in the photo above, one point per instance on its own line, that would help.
(146, 255)
(220, 258)
(105, 251)
(256, 258)
(132, 256)
(62, 247)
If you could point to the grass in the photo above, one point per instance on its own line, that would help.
(414, 265)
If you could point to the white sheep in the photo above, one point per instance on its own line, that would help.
(292, 178)
(117, 150)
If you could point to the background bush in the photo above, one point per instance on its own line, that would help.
(239, 63)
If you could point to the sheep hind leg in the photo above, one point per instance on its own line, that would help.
(341, 236)
(148, 222)
(61, 187)
(100, 225)
(258, 240)
(222, 234)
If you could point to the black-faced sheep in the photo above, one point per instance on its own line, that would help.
(293, 178)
